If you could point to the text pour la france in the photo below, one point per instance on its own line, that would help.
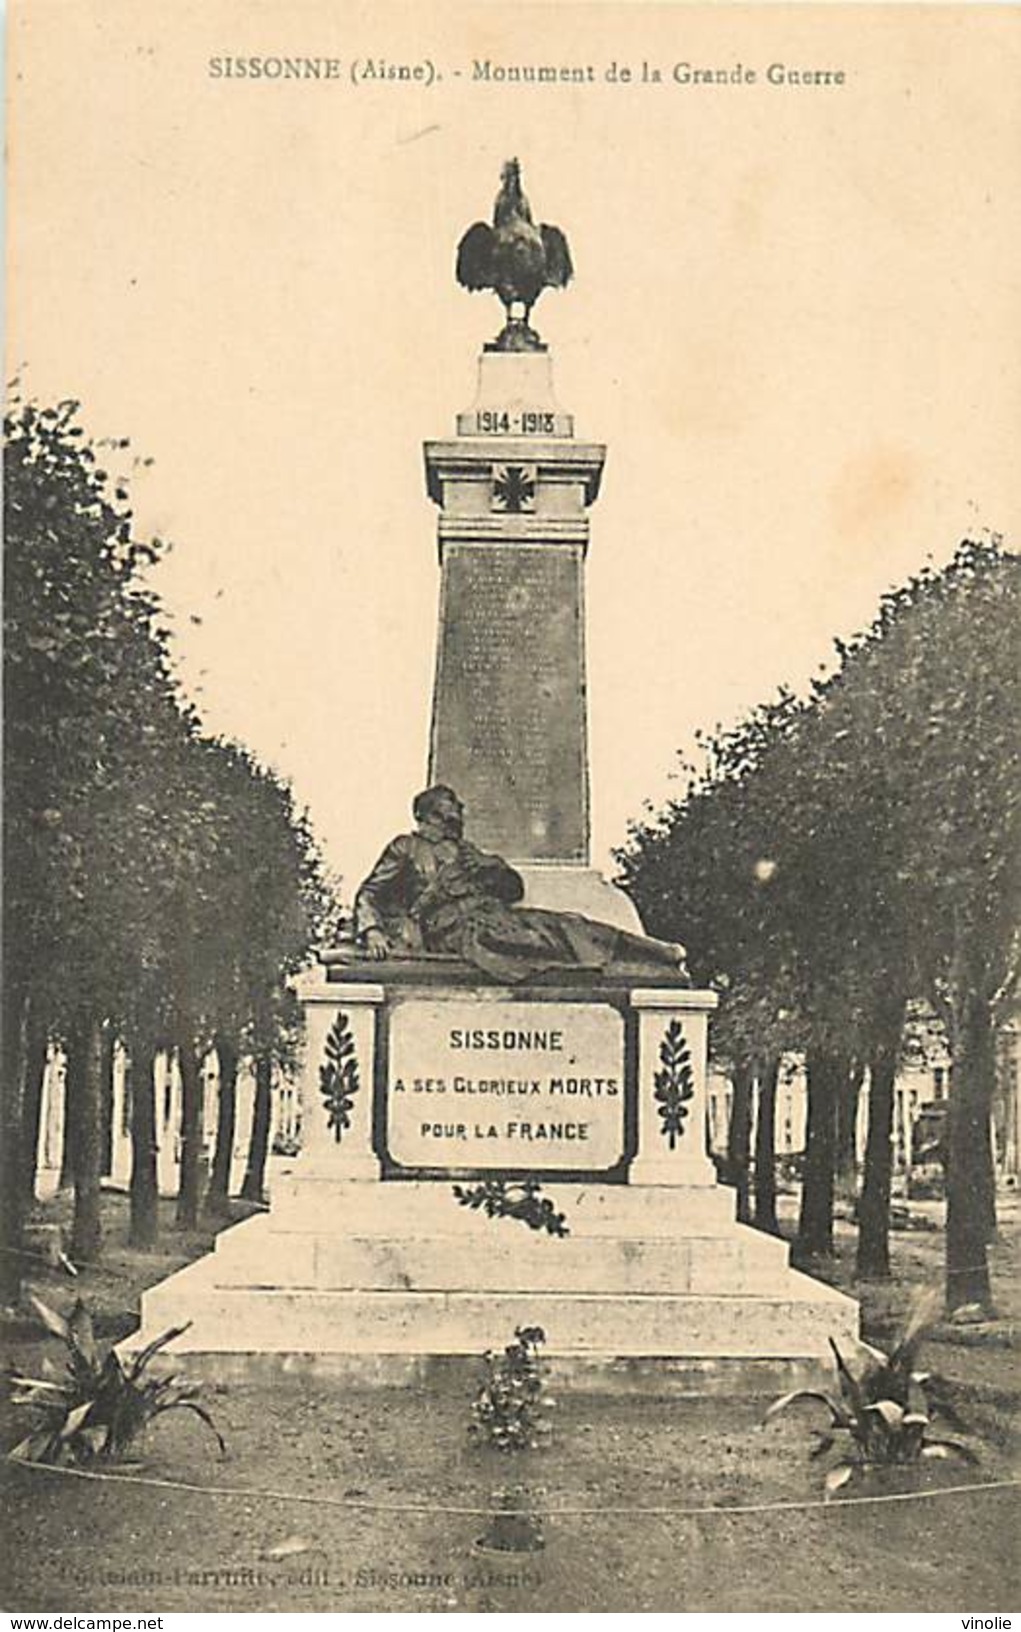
(531, 1132)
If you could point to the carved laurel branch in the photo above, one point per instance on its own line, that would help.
(338, 1076)
(674, 1083)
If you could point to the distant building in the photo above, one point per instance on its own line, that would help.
(285, 1121)
(923, 1080)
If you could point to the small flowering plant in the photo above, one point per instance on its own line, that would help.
(511, 1410)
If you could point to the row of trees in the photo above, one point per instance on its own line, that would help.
(161, 888)
(841, 856)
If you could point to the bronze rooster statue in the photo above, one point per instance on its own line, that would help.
(514, 258)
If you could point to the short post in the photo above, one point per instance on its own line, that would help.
(673, 1043)
(337, 1080)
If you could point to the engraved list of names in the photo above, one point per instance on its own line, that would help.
(509, 711)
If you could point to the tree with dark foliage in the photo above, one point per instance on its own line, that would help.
(85, 668)
(841, 856)
(160, 888)
(933, 704)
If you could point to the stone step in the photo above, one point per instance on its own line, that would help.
(653, 1377)
(793, 1322)
(507, 1257)
(310, 1204)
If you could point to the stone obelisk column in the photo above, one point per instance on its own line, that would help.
(508, 725)
(509, 719)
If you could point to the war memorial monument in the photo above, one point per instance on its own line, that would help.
(498, 1020)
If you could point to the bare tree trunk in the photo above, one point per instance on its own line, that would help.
(218, 1194)
(873, 1252)
(106, 1097)
(253, 1187)
(824, 1072)
(36, 1048)
(739, 1136)
(971, 1213)
(144, 1192)
(86, 1229)
(846, 1153)
(75, 1047)
(765, 1148)
(191, 1130)
(16, 1020)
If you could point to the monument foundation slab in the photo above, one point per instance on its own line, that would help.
(596, 1091)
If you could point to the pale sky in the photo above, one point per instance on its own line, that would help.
(794, 323)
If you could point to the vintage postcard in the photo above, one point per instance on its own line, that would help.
(494, 954)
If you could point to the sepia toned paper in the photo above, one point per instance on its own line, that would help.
(793, 323)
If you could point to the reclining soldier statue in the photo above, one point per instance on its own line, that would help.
(432, 891)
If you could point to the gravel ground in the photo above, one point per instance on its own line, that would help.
(111, 1546)
(299, 1449)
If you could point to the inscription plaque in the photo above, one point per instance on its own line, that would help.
(509, 730)
(498, 1085)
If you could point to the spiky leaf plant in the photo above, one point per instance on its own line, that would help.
(883, 1416)
(96, 1408)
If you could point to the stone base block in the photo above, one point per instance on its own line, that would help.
(367, 1256)
(347, 1268)
(792, 1322)
(744, 1262)
(322, 1204)
(647, 1376)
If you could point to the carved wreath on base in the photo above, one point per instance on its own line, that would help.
(674, 1083)
(506, 1198)
(338, 1076)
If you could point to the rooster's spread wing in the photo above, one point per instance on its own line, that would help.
(475, 257)
(559, 270)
